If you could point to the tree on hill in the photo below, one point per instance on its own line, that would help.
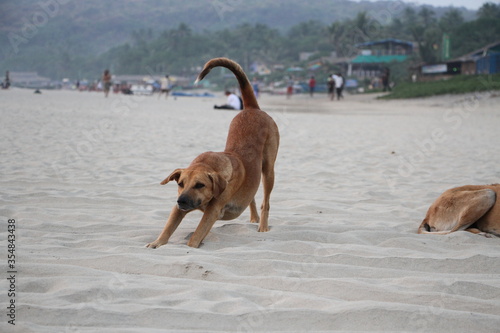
(489, 10)
(182, 48)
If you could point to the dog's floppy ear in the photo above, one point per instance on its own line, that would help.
(173, 176)
(218, 184)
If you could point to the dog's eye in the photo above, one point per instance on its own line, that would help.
(181, 184)
(199, 185)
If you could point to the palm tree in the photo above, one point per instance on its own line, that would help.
(489, 10)
(336, 32)
(427, 16)
(362, 23)
(451, 20)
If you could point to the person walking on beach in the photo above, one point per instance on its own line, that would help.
(312, 85)
(6, 82)
(339, 83)
(289, 88)
(331, 87)
(385, 79)
(165, 86)
(106, 81)
(255, 86)
(341, 93)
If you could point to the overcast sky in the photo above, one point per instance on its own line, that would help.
(470, 4)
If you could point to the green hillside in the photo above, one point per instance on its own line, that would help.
(69, 38)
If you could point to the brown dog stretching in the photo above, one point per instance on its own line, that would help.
(223, 184)
(474, 208)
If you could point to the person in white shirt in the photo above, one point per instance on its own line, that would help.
(339, 84)
(233, 102)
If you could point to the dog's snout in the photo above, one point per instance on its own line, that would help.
(185, 203)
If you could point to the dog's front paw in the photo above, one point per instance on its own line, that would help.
(154, 245)
(263, 229)
(194, 243)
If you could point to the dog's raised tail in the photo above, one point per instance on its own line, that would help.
(247, 95)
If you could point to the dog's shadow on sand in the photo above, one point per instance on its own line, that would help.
(228, 234)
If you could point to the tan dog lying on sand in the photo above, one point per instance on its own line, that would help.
(474, 208)
(223, 184)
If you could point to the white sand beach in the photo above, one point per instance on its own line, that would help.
(80, 174)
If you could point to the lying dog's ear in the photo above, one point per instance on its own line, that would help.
(218, 184)
(173, 176)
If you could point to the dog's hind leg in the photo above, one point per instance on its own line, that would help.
(268, 184)
(254, 215)
(475, 205)
(269, 158)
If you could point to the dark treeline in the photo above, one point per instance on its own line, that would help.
(181, 51)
